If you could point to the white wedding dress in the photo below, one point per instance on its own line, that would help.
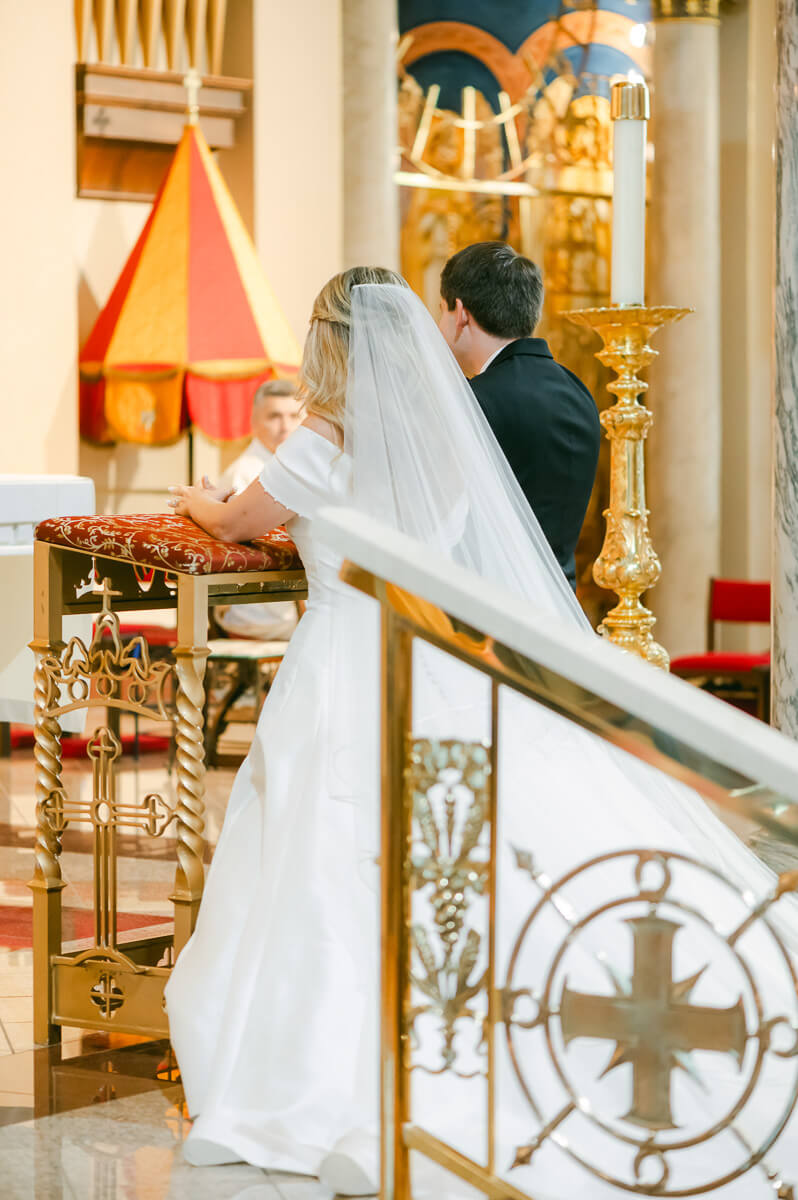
(275, 1072)
(273, 1004)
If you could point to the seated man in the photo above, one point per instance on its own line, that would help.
(275, 415)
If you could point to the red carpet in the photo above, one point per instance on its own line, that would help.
(16, 924)
(75, 747)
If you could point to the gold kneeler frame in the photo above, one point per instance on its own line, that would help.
(107, 985)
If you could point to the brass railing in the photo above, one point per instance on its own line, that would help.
(453, 1001)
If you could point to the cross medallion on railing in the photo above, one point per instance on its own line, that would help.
(652, 1024)
(107, 815)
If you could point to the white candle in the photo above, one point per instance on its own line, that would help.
(629, 124)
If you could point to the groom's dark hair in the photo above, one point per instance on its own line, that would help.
(501, 289)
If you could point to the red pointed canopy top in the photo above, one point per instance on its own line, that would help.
(192, 325)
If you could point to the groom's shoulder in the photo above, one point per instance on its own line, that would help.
(525, 363)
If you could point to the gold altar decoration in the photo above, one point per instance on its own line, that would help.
(537, 174)
(453, 1001)
(685, 10)
(118, 982)
(628, 564)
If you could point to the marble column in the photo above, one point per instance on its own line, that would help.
(685, 396)
(785, 448)
(371, 208)
(297, 118)
(748, 201)
(759, 282)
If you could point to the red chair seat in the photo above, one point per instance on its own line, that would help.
(718, 662)
(154, 635)
(169, 543)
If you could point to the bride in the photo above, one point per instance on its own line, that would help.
(273, 1003)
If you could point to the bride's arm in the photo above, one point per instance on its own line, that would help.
(247, 515)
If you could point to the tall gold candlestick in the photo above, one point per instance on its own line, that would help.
(628, 564)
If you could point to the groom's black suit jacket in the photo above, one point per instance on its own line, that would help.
(546, 422)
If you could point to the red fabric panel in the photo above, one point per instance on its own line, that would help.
(222, 408)
(75, 747)
(169, 543)
(97, 342)
(154, 635)
(16, 924)
(220, 320)
(93, 425)
(741, 600)
(717, 662)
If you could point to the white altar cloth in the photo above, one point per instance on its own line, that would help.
(24, 501)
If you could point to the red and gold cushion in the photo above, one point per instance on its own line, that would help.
(169, 543)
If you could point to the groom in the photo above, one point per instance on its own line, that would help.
(544, 418)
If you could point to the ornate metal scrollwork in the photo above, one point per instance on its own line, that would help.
(447, 787)
(107, 996)
(122, 674)
(106, 814)
(660, 1021)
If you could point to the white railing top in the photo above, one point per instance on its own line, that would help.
(712, 728)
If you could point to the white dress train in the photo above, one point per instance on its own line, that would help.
(273, 1003)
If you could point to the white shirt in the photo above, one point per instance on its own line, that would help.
(495, 354)
(248, 466)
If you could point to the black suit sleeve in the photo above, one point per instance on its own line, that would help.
(486, 398)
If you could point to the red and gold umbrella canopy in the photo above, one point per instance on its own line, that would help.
(192, 325)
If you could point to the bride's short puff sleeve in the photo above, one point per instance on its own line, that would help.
(298, 475)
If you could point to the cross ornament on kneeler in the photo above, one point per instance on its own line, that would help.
(107, 565)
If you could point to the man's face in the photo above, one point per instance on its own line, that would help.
(274, 419)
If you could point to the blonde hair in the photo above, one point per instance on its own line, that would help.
(325, 359)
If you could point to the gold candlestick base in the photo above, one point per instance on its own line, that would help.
(628, 564)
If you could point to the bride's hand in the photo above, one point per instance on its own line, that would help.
(181, 499)
(215, 493)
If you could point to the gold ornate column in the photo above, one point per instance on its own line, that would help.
(190, 655)
(628, 564)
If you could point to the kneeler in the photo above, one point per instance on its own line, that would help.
(107, 565)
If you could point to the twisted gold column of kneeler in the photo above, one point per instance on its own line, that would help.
(108, 984)
(190, 655)
(628, 564)
(47, 883)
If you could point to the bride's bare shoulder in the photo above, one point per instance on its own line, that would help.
(324, 428)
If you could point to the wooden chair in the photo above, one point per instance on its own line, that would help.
(736, 677)
(236, 666)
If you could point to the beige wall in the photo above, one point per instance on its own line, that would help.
(38, 296)
(285, 174)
